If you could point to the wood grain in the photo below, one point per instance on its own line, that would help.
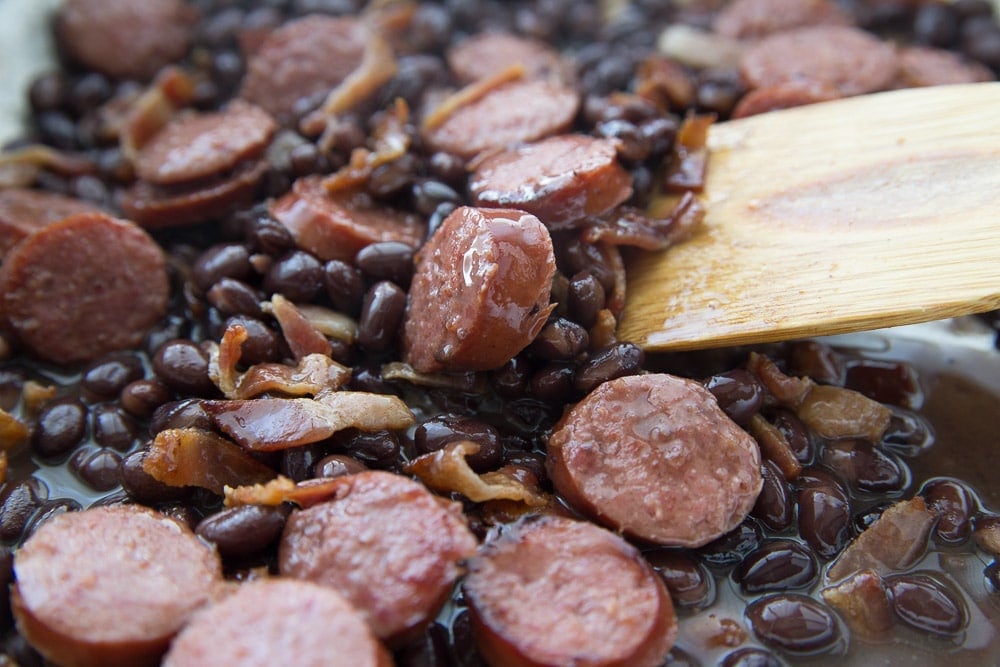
(857, 214)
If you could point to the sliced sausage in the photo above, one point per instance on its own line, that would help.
(197, 146)
(302, 59)
(110, 585)
(785, 95)
(560, 179)
(82, 287)
(155, 207)
(481, 291)
(487, 53)
(752, 19)
(23, 211)
(926, 66)
(126, 39)
(384, 542)
(654, 457)
(337, 226)
(513, 113)
(555, 591)
(849, 59)
(276, 622)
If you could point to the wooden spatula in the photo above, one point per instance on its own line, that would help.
(857, 214)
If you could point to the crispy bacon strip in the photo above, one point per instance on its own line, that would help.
(193, 457)
(283, 490)
(447, 471)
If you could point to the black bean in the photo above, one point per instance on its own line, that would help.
(48, 92)
(428, 194)
(263, 344)
(186, 413)
(609, 363)
(106, 377)
(796, 434)
(234, 297)
(992, 575)
(183, 366)
(576, 256)
(794, 623)
(738, 392)
(305, 159)
(585, 298)
(953, 503)
(298, 276)
(438, 216)
(732, 547)
(112, 427)
(337, 465)
(6, 579)
(864, 519)
(968, 8)
(89, 92)
(437, 432)
(895, 383)
(908, 433)
(531, 461)
(512, 379)
(633, 145)
(386, 260)
(560, 340)
(777, 565)
(142, 397)
(449, 168)
(20, 502)
(689, 583)
(297, 463)
(717, 93)
(244, 530)
(866, 467)
(270, 236)
(985, 47)
(390, 178)
(98, 468)
(750, 657)
(142, 486)
(228, 260)
(774, 507)
(381, 316)
(935, 24)
(824, 513)
(529, 417)
(61, 426)
(926, 604)
(345, 285)
(377, 449)
(553, 383)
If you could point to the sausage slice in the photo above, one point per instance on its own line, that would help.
(302, 59)
(337, 226)
(752, 19)
(110, 585)
(84, 286)
(481, 291)
(384, 542)
(653, 456)
(848, 59)
(487, 53)
(555, 591)
(126, 39)
(560, 179)
(23, 211)
(198, 146)
(926, 66)
(276, 622)
(514, 113)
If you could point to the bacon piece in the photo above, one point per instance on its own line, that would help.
(192, 457)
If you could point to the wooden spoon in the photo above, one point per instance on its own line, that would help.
(857, 214)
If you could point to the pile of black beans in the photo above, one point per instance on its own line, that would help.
(87, 440)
